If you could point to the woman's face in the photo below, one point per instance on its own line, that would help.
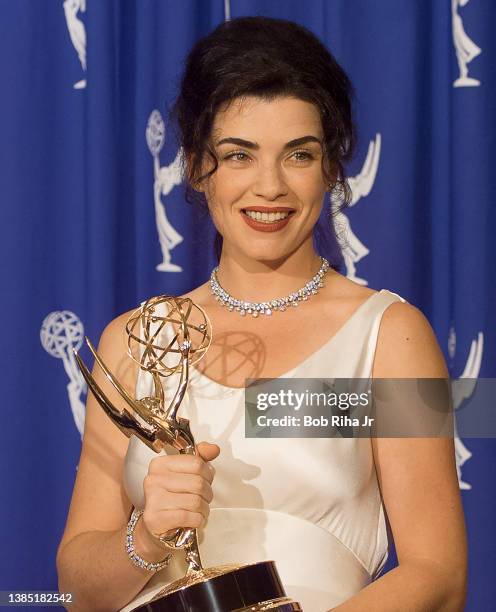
(269, 156)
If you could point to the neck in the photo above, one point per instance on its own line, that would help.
(258, 281)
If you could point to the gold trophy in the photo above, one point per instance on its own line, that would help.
(227, 588)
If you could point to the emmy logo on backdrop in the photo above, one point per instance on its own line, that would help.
(166, 178)
(361, 185)
(77, 33)
(466, 49)
(61, 333)
(462, 388)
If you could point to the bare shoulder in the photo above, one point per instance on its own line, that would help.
(342, 287)
(407, 345)
(99, 501)
(115, 329)
(199, 295)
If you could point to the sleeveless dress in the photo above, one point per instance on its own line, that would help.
(312, 505)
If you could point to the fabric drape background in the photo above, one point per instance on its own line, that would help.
(94, 218)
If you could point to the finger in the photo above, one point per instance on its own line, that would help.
(178, 501)
(166, 520)
(207, 450)
(189, 464)
(185, 483)
(191, 503)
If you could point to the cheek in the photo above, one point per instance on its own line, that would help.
(230, 185)
(308, 182)
(222, 193)
(215, 213)
(218, 205)
(311, 194)
(315, 214)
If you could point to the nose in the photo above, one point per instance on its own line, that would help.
(269, 183)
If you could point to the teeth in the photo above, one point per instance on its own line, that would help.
(266, 217)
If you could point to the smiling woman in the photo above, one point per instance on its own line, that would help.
(264, 114)
(277, 172)
(273, 218)
(266, 59)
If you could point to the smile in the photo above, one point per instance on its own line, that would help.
(266, 217)
(267, 221)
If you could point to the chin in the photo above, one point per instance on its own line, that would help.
(266, 255)
(260, 249)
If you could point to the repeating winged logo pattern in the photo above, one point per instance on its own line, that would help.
(465, 48)
(165, 179)
(352, 247)
(462, 388)
(77, 32)
(61, 332)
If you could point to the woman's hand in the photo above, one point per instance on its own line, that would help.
(177, 492)
(92, 558)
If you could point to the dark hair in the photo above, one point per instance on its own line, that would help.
(266, 58)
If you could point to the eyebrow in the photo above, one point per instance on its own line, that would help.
(240, 142)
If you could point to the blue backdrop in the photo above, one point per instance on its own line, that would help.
(94, 217)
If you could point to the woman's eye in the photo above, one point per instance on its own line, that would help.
(303, 156)
(236, 156)
(300, 156)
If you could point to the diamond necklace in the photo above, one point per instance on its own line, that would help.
(267, 308)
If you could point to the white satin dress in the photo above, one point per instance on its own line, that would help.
(312, 505)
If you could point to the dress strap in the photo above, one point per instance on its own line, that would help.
(383, 300)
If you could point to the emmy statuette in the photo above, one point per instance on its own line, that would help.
(254, 587)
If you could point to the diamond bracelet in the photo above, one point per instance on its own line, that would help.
(131, 552)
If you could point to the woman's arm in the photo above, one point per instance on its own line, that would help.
(419, 485)
(91, 560)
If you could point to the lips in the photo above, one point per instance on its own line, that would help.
(268, 209)
(265, 226)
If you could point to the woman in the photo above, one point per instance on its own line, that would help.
(265, 118)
